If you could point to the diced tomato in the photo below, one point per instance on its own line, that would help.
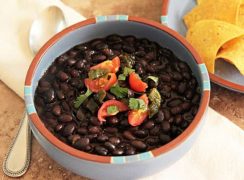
(103, 83)
(136, 83)
(111, 65)
(136, 117)
(102, 112)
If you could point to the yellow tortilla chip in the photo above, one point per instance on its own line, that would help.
(233, 52)
(225, 10)
(199, 1)
(207, 36)
(240, 16)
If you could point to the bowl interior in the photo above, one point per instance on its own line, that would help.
(99, 30)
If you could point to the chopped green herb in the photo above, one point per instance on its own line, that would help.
(154, 78)
(155, 99)
(112, 110)
(81, 98)
(100, 96)
(97, 73)
(127, 71)
(135, 104)
(119, 92)
(121, 77)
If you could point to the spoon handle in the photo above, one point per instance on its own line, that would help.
(17, 158)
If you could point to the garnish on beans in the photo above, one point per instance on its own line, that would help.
(111, 108)
(139, 112)
(136, 83)
(110, 65)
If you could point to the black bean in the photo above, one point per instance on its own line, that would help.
(140, 53)
(62, 76)
(114, 140)
(94, 121)
(92, 137)
(189, 94)
(68, 129)
(195, 98)
(139, 69)
(60, 94)
(186, 75)
(141, 133)
(59, 127)
(155, 131)
(52, 69)
(73, 53)
(81, 114)
(49, 96)
(182, 87)
(101, 46)
(56, 110)
(65, 106)
(111, 130)
(152, 84)
(52, 122)
(183, 66)
(165, 138)
(176, 110)
(149, 124)
(71, 61)
(128, 135)
(174, 102)
(194, 110)
(44, 83)
(165, 77)
(98, 58)
(82, 143)
(96, 42)
(109, 146)
(178, 119)
(82, 130)
(74, 138)
(160, 117)
(118, 152)
(184, 124)
(139, 145)
(80, 64)
(61, 59)
(64, 87)
(187, 116)
(101, 150)
(65, 118)
(110, 96)
(186, 106)
(130, 151)
(102, 138)
(165, 126)
(152, 141)
(177, 76)
(94, 130)
(74, 73)
(81, 47)
(113, 120)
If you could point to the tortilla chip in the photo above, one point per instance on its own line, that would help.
(240, 16)
(225, 10)
(207, 36)
(233, 52)
(199, 1)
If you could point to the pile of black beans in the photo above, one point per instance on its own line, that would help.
(80, 128)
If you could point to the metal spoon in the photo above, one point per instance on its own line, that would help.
(17, 159)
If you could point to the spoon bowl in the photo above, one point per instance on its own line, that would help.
(49, 22)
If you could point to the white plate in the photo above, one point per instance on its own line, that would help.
(226, 74)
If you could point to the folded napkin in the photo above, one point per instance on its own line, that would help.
(16, 18)
(217, 153)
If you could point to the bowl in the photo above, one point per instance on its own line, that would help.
(112, 167)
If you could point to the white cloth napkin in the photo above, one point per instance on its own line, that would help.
(218, 153)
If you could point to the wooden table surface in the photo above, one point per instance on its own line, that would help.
(228, 103)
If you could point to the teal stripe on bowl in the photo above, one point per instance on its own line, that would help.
(146, 155)
(111, 18)
(101, 18)
(28, 99)
(118, 160)
(30, 109)
(27, 90)
(203, 68)
(132, 158)
(164, 19)
(206, 85)
(122, 17)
